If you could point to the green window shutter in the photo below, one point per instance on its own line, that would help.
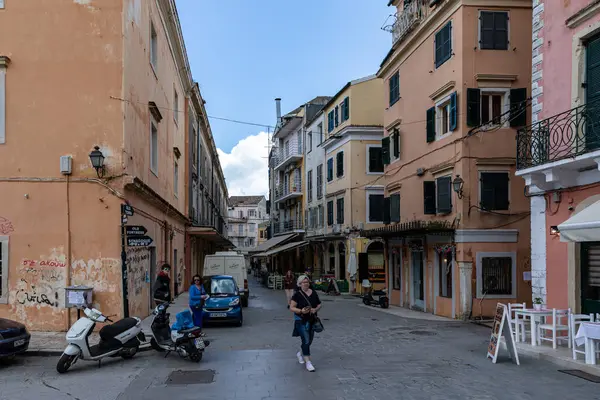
(340, 163)
(453, 112)
(386, 210)
(375, 159)
(330, 213)
(385, 150)
(429, 197)
(444, 195)
(396, 141)
(494, 191)
(330, 121)
(518, 107)
(330, 169)
(473, 107)
(340, 211)
(395, 207)
(431, 125)
(337, 116)
(346, 110)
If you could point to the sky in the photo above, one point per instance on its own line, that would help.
(245, 53)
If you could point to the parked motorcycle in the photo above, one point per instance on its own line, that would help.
(186, 342)
(121, 338)
(382, 299)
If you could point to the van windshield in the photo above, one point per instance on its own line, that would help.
(222, 286)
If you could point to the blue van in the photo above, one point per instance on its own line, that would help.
(224, 303)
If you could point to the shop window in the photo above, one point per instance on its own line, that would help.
(445, 269)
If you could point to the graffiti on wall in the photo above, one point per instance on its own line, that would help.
(43, 294)
(138, 261)
(103, 274)
(6, 226)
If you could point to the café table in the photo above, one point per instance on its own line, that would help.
(534, 316)
(588, 333)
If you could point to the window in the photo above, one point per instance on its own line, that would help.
(309, 142)
(319, 134)
(320, 181)
(385, 150)
(444, 194)
(330, 121)
(443, 45)
(321, 217)
(153, 147)
(386, 211)
(252, 213)
(330, 170)
(394, 88)
(4, 269)
(241, 213)
(346, 109)
(153, 46)
(445, 269)
(395, 208)
(493, 30)
(330, 212)
(241, 230)
(429, 198)
(443, 118)
(374, 160)
(491, 106)
(375, 206)
(396, 143)
(251, 228)
(496, 275)
(176, 178)
(175, 106)
(340, 210)
(309, 186)
(339, 158)
(337, 116)
(494, 192)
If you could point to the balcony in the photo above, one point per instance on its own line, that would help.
(287, 192)
(289, 153)
(288, 227)
(558, 148)
(413, 13)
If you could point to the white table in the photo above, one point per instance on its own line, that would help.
(588, 333)
(534, 316)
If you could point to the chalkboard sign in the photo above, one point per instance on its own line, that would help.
(502, 328)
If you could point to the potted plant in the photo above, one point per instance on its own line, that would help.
(537, 303)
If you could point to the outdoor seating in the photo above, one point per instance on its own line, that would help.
(555, 326)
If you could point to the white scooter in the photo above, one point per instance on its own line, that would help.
(121, 338)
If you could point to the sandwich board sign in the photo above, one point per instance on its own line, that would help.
(502, 328)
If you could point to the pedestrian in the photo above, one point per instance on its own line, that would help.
(197, 297)
(289, 285)
(305, 304)
(162, 287)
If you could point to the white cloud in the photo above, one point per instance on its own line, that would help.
(246, 167)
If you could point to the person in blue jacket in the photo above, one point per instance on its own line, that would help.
(197, 297)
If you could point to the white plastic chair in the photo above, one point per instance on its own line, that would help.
(278, 282)
(515, 320)
(555, 327)
(577, 319)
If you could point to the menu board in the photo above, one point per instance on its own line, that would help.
(502, 327)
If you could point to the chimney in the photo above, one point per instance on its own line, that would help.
(278, 108)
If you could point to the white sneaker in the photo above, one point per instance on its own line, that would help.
(300, 358)
(309, 367)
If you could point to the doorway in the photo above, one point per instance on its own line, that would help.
(342, 260)
(590, 277)
(418, 296)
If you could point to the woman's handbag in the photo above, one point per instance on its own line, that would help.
(317, 325)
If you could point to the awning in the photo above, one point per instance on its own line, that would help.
(211, 235)
(285, 247)
(274, 241)
(583, 226)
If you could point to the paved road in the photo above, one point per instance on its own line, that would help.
(362, 354)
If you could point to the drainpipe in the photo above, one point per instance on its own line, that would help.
(68, 263)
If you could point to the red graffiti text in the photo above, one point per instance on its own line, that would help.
(43, 263)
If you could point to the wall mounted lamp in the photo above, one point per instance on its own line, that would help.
(97, 159)
(554, 230)
(457, 185)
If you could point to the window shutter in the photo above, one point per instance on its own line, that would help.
(453, 112)
(486, 41)
(438, 43)
(518, 109)
(330, 169)
(386, 210)
(473, 107)
(385, 150)
(494, 191)
(375, 159)
(501, 30)
(396, 138)
(444, 195)
(346, 108)
(395, 208)
(431, 125)
(330, 121)
(340, 211)
(340, 163)
(330, 212)
(337, 117)
(429, 197)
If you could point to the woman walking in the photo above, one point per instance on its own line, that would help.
(289, 285)
(197, 297)
(305, 304)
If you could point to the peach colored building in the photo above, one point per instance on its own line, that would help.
(116, 76)
(558, 156)
(457, 223)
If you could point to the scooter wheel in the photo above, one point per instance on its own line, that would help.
(365, 301)
(155, 346)
(384, 303)
(64, 363)
(128, 354)
(196, 356)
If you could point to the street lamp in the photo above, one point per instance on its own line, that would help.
(457, 185)
(97, 159)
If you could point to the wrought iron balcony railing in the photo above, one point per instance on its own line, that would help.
(566, 135)
(288, 226)
(284, 190)
(414, 12)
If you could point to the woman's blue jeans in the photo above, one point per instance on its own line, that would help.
(197, 317)
(307, 334)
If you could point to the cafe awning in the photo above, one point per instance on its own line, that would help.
(274, 241)
(210, 234)
(285, 247)
(583, 226)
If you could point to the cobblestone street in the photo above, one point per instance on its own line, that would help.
(362, 354)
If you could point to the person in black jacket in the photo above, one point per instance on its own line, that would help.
(162, 287)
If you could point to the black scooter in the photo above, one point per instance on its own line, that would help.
(382, 299)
